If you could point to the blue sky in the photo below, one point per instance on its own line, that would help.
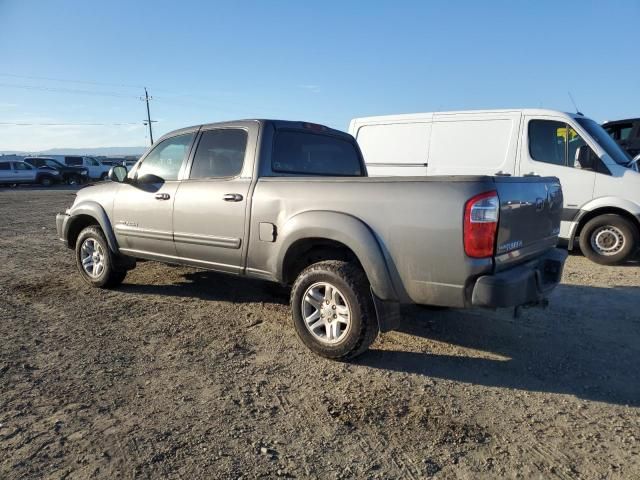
(326, 62)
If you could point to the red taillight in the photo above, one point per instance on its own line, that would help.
(481, 224)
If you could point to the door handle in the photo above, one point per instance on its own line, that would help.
(162, 196)
(232, 197)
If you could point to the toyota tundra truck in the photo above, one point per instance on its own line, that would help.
(291, 202)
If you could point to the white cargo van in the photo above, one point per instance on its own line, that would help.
(600, 181)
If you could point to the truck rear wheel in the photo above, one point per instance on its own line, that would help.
(96, 261)
(333, 311)
(609, 239)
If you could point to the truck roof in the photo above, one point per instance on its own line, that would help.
(294, 124)
(421, 116)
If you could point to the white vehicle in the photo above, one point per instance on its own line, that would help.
(600, 182)
(97, 170)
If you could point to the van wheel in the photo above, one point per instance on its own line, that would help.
(96, 261)
(333, 311)
(609, 239)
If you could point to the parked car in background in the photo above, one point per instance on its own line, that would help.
(129, 164)
(626, 133)
(290, 202)
(17, 172)
(95, 169)
(70, 175)
(601, 192)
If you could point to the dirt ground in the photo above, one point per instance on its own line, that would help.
(181, 373)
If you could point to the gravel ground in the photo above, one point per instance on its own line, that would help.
(181, 373)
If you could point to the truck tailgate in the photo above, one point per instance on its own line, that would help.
(529, 220)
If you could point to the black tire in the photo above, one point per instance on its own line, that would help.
(45, 181)
(104, 176)
(615, 228)
(352, 283)
(73, 180)
(110, 276)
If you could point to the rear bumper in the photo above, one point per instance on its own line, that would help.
(526, 284)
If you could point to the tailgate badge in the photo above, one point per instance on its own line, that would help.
(507, 247)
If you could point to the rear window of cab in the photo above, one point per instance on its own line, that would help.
(305, 153)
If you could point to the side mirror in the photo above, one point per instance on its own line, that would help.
(584, 158)
(118, 174)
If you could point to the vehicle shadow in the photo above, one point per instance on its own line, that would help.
(586, 344)
(213, 286)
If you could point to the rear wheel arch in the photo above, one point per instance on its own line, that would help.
(307, 251)
(334, 233)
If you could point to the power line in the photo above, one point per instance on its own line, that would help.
(26, 124)
(67, 90)
(68, 80)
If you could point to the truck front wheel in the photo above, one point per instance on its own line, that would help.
(333, 311)
(609, 239)
(95, 260)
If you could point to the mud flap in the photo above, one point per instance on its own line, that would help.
(388, 313)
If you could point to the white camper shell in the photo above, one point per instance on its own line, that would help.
(600, 182)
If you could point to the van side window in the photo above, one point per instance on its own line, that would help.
(5, 166)
(547, 141)
(220, 153)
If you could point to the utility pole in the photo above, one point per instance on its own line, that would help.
(147, 98)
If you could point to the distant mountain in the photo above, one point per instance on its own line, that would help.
(99, 151)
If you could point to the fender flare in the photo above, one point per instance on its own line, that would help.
(95, 210)
(343, 228)
(608, 202)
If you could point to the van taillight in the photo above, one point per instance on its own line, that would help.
(481, 224)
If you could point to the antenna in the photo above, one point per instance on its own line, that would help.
(575, 105)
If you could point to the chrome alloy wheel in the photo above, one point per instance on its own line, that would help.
(607, 240)
(92, 257)
(326, 313)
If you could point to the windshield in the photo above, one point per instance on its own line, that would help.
(53, 163)
(603, 139)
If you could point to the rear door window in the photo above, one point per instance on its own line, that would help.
(220, 153)
(5, 166)
(304, 153)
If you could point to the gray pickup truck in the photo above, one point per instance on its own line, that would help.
(290, 202)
